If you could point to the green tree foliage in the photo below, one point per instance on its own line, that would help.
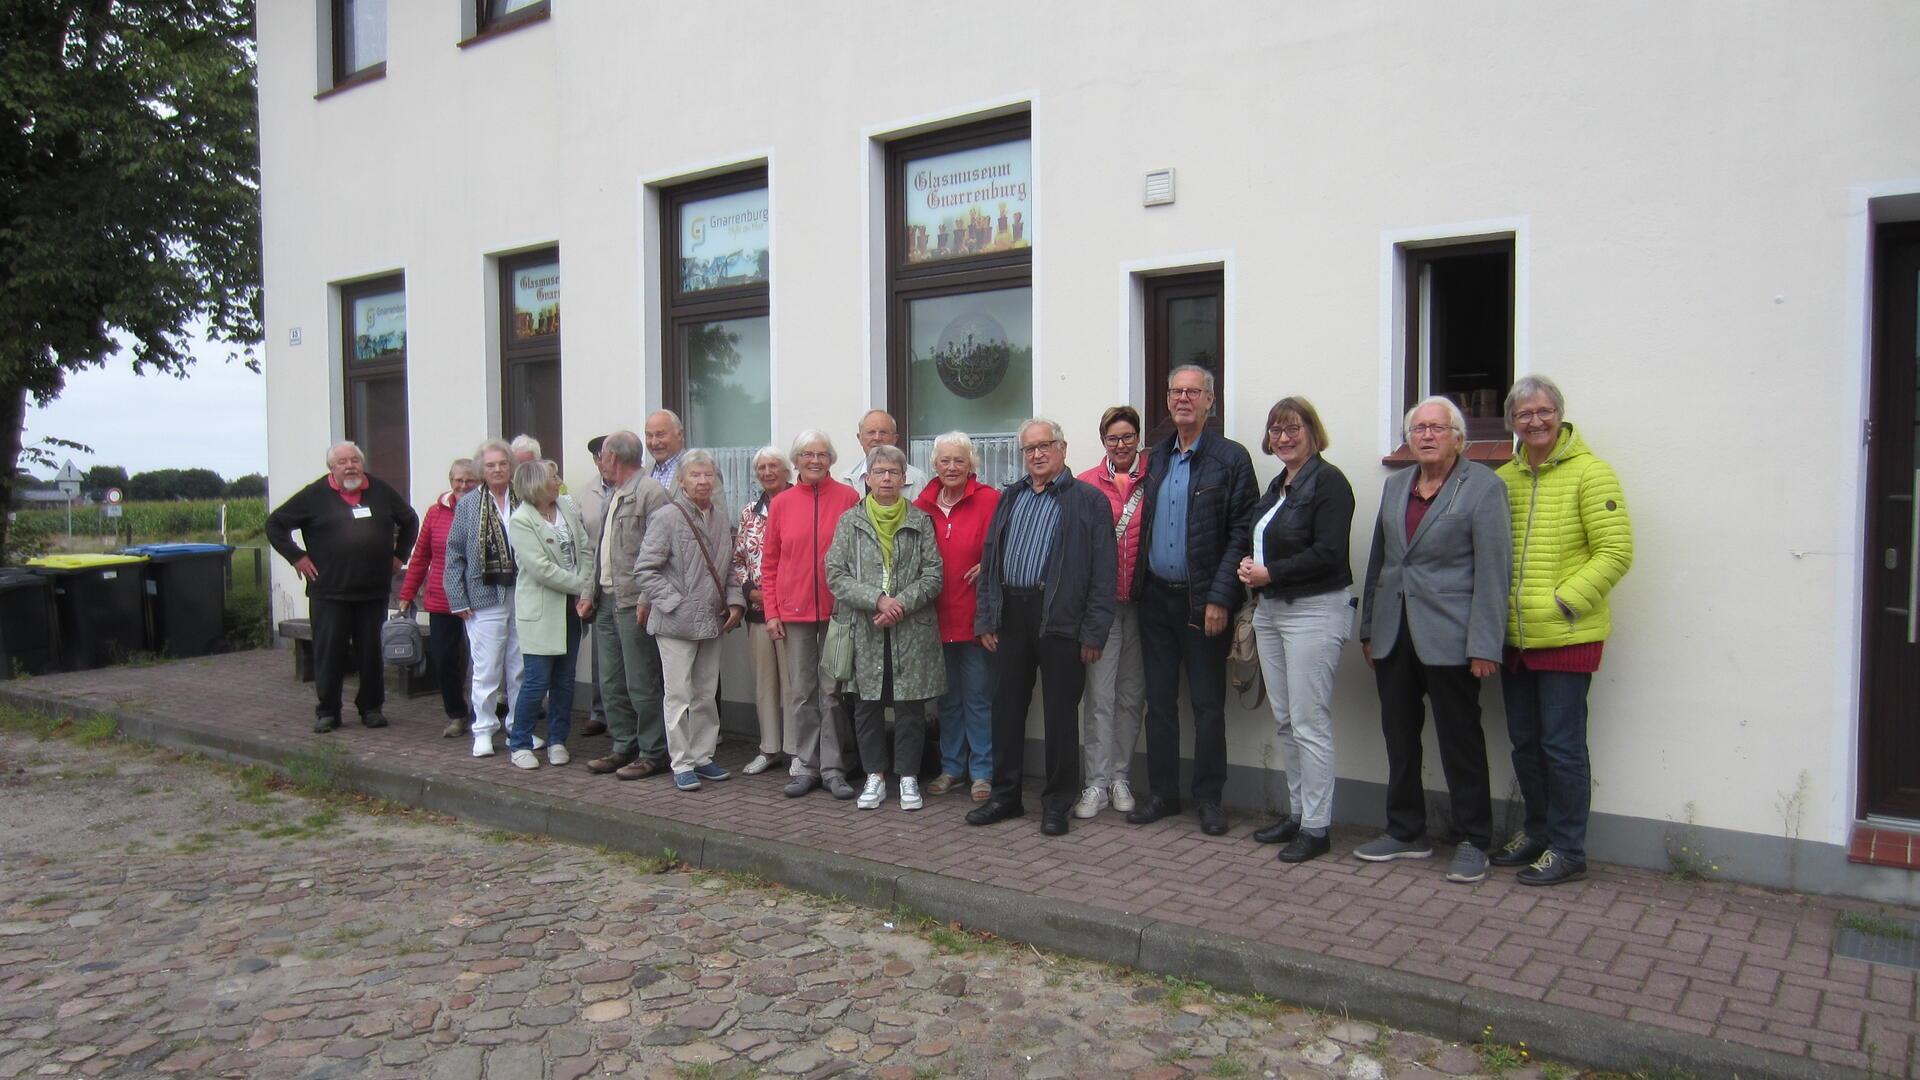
(250, 486)
(101, 477)
(129, 193)
(161, 484)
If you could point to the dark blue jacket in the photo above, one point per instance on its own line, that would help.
(1305, 545)
(1221, 496)
(1077, 589)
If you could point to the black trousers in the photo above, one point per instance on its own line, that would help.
(1023, 652)
(1403, 681)
(447, 643)
(346, 633)
(1168, 642)
(909, 727)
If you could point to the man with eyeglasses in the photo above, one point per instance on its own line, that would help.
(1045, 605)
(1200, 498)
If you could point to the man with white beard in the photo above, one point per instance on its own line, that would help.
(355, 533)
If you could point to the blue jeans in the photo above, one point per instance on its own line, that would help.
(966, 713)
(1547, 723)
(551, 678)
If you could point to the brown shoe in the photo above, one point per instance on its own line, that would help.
(641, 769)
(454, 729)
(942, 784)
(594, 727)
(612, 762)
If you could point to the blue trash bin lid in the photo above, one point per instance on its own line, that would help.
(162, 551)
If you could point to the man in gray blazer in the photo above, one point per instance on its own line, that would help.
(1433, 621)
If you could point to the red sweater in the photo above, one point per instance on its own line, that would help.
(429, 559)
(960, 536)
(793, 557)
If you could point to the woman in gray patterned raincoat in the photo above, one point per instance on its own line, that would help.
(884, 571)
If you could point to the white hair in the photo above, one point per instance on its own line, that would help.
(1041, 421)
(480, 452)
(1455, 419)
(691, 458)
(672, 418)
(524, 444)
(1526, 386)
(892, 455)
(769, 453)
(346, 442)
(957, 440)
(1204, 374)
(808, 438)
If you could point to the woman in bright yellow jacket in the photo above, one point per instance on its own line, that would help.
(1572, 544)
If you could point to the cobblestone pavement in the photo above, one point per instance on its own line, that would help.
(161, 917)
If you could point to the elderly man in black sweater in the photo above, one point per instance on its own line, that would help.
(357, 531)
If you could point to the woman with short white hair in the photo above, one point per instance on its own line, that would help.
(961, 507)
(690, 604)
(769, 656)
(479, 582)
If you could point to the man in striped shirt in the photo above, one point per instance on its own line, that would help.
(1046, 602)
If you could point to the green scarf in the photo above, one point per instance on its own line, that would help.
(886, 521)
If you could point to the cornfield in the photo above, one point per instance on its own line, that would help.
(153, 522)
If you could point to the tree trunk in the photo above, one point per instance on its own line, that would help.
(13, 417)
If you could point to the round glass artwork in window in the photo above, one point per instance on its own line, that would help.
(972, 355)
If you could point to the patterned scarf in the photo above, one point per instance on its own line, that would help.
(496, 555)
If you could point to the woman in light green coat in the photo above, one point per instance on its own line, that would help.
(551, 552)
(884, 571)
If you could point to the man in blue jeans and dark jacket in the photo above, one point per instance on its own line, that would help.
(1199, 508)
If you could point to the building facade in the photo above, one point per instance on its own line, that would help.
(776, 216)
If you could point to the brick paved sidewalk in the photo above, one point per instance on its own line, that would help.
(1744, 965)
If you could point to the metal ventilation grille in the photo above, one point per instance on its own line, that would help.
(1159, 187)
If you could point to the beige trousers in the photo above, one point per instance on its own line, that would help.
(769, 687)
(692, 670)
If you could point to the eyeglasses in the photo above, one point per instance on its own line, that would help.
(1185, 391)
(1545, 416)
(886, 472)
(1031, 449)
(1431, 429)
(813, 455)
(1286, 431)
(1121, 440)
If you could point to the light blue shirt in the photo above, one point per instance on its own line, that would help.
(1167, 549)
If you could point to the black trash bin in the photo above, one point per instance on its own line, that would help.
(26, 622)
(99, 604)
(186, 596)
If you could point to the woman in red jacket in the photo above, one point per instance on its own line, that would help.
(1116, 683)
(793, 583)
(447, 638)
(961, 507)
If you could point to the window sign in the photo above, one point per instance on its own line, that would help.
(536, 301)
(969, 202)
(725, 241)
(380, 325)
(970, 362)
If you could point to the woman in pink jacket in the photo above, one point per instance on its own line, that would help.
(961, 508)
(1116, 683)
(447, 638)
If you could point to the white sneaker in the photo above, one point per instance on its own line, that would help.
(758, 765)
(525, 759)
(910, 793)
(538, 742)
(1092, 801)
(1122, 796)
(483, 744)
(557, 754)
(875, 792)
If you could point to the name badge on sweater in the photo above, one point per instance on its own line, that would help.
(362, 512)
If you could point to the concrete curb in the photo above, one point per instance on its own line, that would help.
(1224, 961)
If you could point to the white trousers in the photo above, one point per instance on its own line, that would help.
(691, 671)
(769, 688)
(1299, 646)
(494, 646)
(1116, 692)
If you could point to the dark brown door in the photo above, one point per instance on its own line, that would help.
(1186, 324)
(1890, 762)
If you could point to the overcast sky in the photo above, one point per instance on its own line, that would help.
(216, 418)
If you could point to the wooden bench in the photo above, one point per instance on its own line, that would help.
(405, 682)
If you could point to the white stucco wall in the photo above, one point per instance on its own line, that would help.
(1684, 179)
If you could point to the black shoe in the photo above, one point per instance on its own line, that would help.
(1305, 847)
(373, 719)
(1053, 823)
(994, 810)
(1551, 869)
(1213, 820)
(324, 724)
(1152, 809)
(1519, 851)
(1279, 832)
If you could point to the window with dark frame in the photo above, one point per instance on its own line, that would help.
(960, 231)
(359, 39)
(498, 16)
(1185, 324)
(716, 269)
(373, 337)
(1459, 320)
(530, 349)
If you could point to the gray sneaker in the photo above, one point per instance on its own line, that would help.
(1468, 866)
(838, 787)
(1386, 848)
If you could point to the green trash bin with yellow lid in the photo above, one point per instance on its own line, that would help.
(99, 604)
